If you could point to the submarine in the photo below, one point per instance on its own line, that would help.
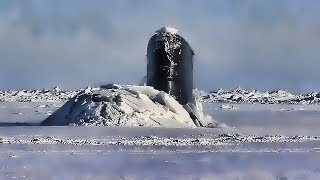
(170, 69)
(170, 64)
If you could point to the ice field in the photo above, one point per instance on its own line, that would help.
(258, 141)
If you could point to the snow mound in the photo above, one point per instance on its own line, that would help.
(115, 105)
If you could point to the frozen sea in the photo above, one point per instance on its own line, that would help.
(258, 141)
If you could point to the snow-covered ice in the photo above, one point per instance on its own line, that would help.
(240, 95)
(44, 95)
(237, 95)
(258, 141)
(154, 153)
(122, 106)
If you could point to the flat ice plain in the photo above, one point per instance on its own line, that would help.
(258, 141)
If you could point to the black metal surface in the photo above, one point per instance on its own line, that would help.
(170, 65)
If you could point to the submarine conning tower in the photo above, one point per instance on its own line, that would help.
(170, 64)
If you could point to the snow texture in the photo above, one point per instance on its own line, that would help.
(207, 140)
(116, 105)
(263, 145)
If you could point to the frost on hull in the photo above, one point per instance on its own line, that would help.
(170, 64)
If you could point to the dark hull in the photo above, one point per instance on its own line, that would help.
(170, 65)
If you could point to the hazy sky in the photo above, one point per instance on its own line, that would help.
(257, 44)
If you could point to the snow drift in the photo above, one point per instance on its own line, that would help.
(115, 105)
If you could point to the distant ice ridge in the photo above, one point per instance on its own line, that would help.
(55, 94)
(115, 105)
(240, 95)
(237, 95)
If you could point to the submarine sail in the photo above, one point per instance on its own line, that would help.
(170, 64)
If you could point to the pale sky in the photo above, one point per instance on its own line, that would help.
(255, 44)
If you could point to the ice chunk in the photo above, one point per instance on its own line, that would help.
(173, 105)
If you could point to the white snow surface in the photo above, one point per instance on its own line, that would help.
(263, 143)
(122, 106)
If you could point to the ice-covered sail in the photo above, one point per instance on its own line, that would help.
(170, 65)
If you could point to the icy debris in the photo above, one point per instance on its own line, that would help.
(207, 140)
(227, 106)
(122, 106)
(88, 89)
(240, 95)
(44, 95)
(199, 93)
(41, 106)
